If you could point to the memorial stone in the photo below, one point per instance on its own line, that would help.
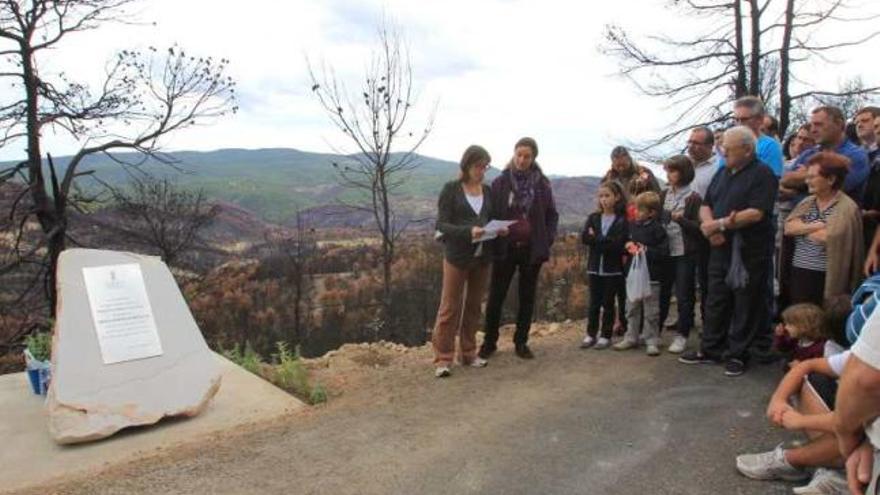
(127, 351)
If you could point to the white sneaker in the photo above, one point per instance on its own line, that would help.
(678, 345)
(625, 344)
(825, 482)
(478, 362)
(769, 466)
(587, 342)
(653, 350)
(442, 372)
(603, 343)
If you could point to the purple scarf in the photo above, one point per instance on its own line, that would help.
(523, 187)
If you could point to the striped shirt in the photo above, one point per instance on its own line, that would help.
(808, 254)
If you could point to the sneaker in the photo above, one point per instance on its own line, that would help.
(603, 343)
(825, 482)
(653, 350)
(478, 362)
(625, 344)
(587, 342)
(524, 352)
(697, 357)
(442, 372)
(678, 345)
(734, 367)
(769, 466)
(486, 351)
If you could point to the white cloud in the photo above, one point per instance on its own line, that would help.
(499, 70)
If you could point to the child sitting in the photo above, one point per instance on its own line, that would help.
(646, 235)
(802, 333)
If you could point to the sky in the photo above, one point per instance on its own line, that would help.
(495, 70)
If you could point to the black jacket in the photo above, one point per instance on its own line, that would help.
(607, 248)
(456, 218)
(690, 223)
(652, 235)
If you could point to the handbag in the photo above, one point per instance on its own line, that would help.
(737, 277)
(638, 280)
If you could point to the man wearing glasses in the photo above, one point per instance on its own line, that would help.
(749, 111)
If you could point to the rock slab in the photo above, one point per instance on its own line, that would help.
(90, 400)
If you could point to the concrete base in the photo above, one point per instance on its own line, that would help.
(29, 457)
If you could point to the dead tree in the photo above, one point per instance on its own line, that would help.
(749, 47)
(143, 97)
(374, 121)
(161, 216)
(298, 250)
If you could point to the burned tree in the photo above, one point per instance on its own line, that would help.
(143, 97)
(750, 47)
(374, 121)
(161, 216)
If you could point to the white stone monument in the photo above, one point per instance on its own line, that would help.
(126, 351)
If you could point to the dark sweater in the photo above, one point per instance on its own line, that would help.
(542, 216)
(456, 218)
(652, 235)
(607, 248)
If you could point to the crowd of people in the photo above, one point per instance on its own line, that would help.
(773, 237)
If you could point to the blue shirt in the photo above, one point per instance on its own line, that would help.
(768, 151)
(854, 185)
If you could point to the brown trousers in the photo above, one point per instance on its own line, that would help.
(459, 312)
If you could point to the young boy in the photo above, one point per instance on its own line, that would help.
(646, 235)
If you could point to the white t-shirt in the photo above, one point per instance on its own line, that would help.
(703, 174)
(476, 202)
(867, 348)
(838, 361)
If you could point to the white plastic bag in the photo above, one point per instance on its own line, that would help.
(638, 280)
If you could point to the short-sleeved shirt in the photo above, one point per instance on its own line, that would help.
(752, 186)
(859, 168)
(867, 349)
(769, 152)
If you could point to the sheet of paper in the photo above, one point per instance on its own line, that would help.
(491, 229)
(122, 314)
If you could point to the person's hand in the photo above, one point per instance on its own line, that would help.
(779, 331)
(819, 236)
(709, 228)
(632, 248)
(591, 232)
(786, 193)
(792, 420)
(716, 240)
(477, 232)
(859, 466)
(776, 409)
(503, 231)
(677, 215)
(793, 363)
(871, 262)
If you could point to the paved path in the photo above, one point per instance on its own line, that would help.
(571, 421)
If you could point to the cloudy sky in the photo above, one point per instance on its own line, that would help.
(496, 69)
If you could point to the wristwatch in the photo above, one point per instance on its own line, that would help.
(721, 225)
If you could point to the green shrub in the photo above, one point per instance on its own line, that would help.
(318, 395)
(249, 359)
(290, 374)
(40, 345)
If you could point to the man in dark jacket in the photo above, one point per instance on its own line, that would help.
(739, 202)
(521, 193)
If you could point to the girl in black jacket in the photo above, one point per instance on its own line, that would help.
(605, 232)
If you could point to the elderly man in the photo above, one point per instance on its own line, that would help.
(828, 126)
(739, 202)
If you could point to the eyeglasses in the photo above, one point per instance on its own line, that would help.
(691, 141)
(743, 119)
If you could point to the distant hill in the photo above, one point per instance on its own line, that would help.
(275, 183)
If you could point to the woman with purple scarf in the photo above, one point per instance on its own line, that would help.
(522, 193)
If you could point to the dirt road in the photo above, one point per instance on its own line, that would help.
(570, 421)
